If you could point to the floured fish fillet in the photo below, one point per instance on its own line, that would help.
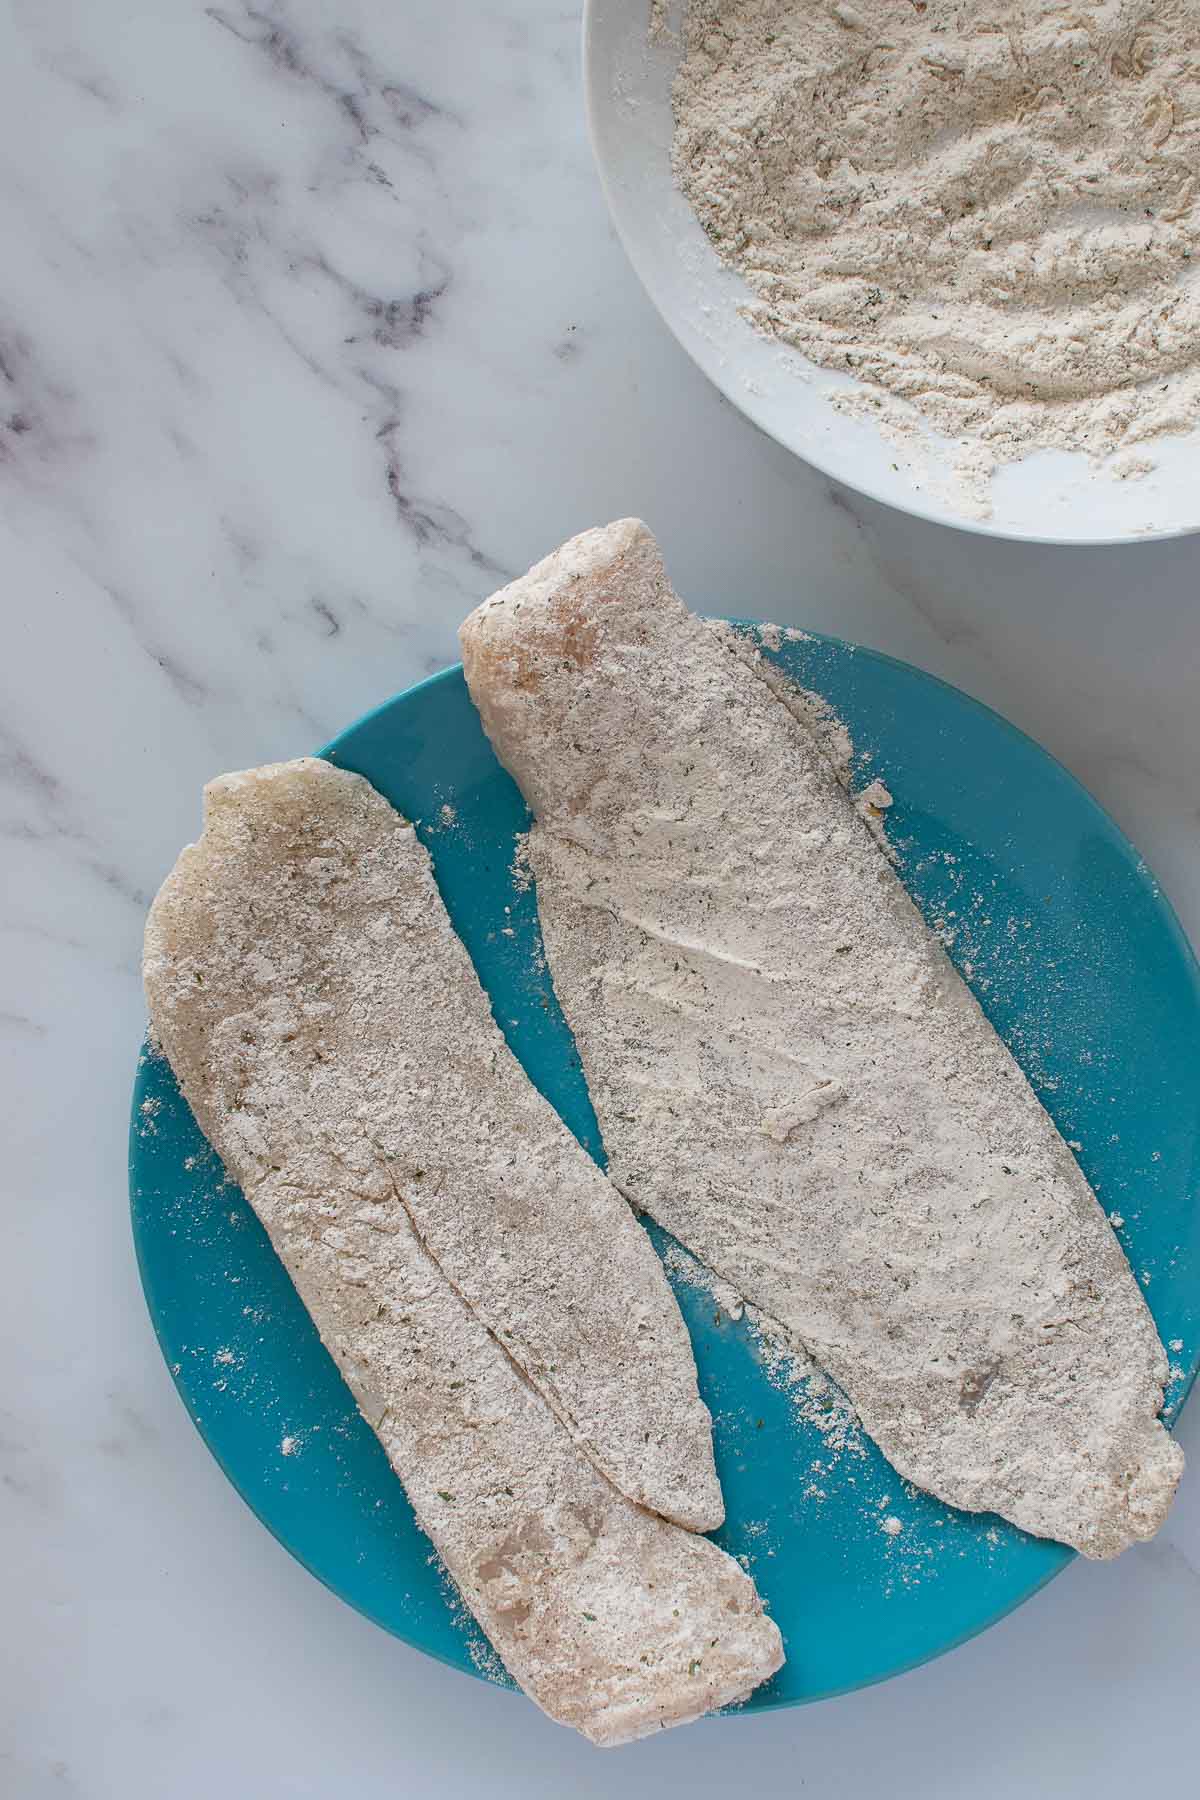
(789, 1074)
(327, 1029)
(347, 980)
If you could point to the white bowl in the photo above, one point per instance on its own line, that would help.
(1050, 497)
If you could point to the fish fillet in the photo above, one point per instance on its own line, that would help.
(788, 1072)
(290, 958)
(356, 986)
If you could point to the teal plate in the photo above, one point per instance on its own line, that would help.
(1081, 966)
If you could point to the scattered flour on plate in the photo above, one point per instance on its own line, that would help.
(811, 710)
(816, 1399)
(481, 1653)
(483, 1657)
(688, 1272)
(519, 869)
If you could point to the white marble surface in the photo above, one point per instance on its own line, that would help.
(312, 327)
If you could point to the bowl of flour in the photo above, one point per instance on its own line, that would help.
(947, 251)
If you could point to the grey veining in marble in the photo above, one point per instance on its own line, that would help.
(312, 330)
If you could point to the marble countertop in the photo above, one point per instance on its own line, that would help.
(312, 330)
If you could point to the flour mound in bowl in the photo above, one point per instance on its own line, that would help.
(988, 213)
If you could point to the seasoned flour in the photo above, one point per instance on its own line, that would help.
(988, 212)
